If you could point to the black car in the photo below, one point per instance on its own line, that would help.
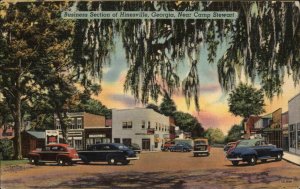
(180, 147)
(135, 147)
(112, 153)
(252, 150)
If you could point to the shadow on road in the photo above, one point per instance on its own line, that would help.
(204, 179)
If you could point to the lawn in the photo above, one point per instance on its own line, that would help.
(6, 163)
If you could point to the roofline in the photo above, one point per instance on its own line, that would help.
(150, 109)
(294, 97)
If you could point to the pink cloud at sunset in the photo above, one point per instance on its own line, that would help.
(213, 102)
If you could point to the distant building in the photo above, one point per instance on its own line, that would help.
(7, 132)
(294, 124)
(249, 130)
(285, 130)
(142, 126)
(86, 129)
(273, 132)
(32, 140)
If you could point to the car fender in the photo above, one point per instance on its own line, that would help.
(277, 150)
(33, 155)
(248, 153)
(116, 155)
(63, 156)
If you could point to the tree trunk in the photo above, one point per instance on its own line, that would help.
(63, 126)
(17, 128)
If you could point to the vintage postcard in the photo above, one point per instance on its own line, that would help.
(149, 94)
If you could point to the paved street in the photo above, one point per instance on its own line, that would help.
(157, 170)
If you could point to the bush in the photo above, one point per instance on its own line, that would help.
(6, 149)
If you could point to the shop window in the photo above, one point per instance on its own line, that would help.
(155, 126)
(298, 135)
(143, 124)
(149, 125)
(292, 136)
(117, 140)
(72, 123)
(78, 144)
(127, 125)
(155, 144)
(79, 123)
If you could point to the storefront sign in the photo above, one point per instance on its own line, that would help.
(97, 136)
(52, 136)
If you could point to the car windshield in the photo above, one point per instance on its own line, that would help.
(245, 144)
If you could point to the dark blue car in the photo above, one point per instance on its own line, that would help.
(252, 150)
(180, 147)
(112, 153)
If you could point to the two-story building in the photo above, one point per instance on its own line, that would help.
(294, 124)
(142, 126)
(86, 129)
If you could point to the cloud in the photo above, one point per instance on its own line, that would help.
(127, 101)
(209, 88)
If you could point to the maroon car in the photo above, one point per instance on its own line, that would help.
(61, 153)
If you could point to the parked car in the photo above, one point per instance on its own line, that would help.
(61, 153)
(252, 150)
(229, 145)
(180, 147)
(135, 147)
(166, 146)
(112, 153)
(201, 146)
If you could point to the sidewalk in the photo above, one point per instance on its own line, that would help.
(291, 158)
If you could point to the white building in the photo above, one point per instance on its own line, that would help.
(294, 124)
(142, 126)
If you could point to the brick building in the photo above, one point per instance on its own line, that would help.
(86, 129)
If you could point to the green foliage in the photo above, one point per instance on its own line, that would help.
(214, 136)
(153, 107)
(94, 107)
(188, 123)
(167, 106)
(6, 149)
(245, 100)
(234, 133)
(35, 59)
(263, 41)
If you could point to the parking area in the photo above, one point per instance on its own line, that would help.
(157, 170)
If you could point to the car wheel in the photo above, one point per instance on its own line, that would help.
(31, 160)
(278, 157)
(252, 160)
(126, 162)
(70, 162)
(112, 161)
(235, 163)
(61, 162)
(34, 161)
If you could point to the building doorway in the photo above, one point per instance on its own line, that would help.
(145, 144)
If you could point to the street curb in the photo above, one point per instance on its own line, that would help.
(146, 152)
(289, 161)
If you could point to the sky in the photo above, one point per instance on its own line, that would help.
(213, 101)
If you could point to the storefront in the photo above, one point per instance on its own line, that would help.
(97, 135)
(294, 125)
